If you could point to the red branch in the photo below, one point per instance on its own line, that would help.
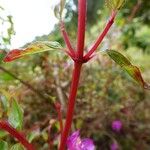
(7, 127)
(76, 73)
(66, 38)
(81, 27)
(71, 104)
(101, 36)
(50, 141)
(78, 61)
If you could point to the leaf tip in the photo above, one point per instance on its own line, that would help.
(115, 4)
(12, 55)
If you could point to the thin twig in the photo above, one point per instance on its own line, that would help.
(102, 35)
(23, 82)
(66, 38)
(134, 10)
(59, 114)
(59, 89)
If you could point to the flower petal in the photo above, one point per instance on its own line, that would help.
(73, 141)
(117, 125)
(87, 144)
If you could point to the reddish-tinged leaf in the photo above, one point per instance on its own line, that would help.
(132, 70)
(12, 55)
(32, 48)
(135, 73)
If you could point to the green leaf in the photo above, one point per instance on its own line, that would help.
(17, 147)
(62, 6)
(114, 4)
(58, 10)
(32, 48)
(118, 58)
(5, 103)
(5, 100)
(15, 115)
(32, 135)
(3, 145)
(132, 70)
(6, 77)
(2, 55)
(3, 133)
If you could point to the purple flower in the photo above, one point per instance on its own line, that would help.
(116, 125)
(114, 146)
(74, 142)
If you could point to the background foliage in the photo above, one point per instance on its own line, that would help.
(106, 93)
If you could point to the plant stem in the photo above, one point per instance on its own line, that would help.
(102, 35)
(71, 104)
(50, 141)
(58, 109)
(81, 27)
(7, 127)
(66, 38)
(76, 72)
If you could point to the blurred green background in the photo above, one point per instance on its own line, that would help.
(106, 93)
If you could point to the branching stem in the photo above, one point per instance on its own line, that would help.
(7, 127)
(78, 61)
(101, 36)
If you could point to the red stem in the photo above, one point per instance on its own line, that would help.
(60, 121)
(71, 104)
(81, 27)
(101, 36)
(66, 38)
(7, 127)
(58, 109)
(50, 141)
(76, 71)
